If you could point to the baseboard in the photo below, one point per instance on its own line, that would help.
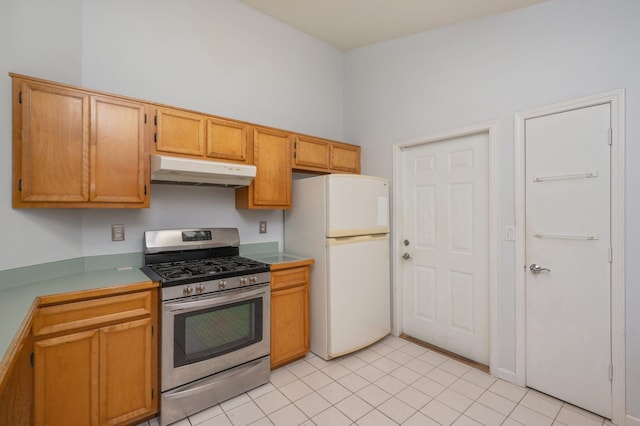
(632, 420)
(506, 375)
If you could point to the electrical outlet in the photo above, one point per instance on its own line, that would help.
(117, 232)
(263, 226)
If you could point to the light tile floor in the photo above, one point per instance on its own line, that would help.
(390, 383)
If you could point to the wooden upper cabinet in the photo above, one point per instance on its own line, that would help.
(180, 132)
(51, 144)
(73, 148)
(325, 156)
(345, 158)
(227, 140)
(117, 151)
(271, 188)
(311, 153)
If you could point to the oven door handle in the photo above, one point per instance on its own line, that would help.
(250, 368)
(231, 296)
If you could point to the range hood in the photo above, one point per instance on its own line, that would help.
(186, 171)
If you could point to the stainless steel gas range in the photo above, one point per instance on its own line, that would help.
(214, 315)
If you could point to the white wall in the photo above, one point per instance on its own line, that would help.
(489, 69)
(215, 56)
(38, 37)
(220, 57)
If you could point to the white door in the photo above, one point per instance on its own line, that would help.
(568, 328)
(445, 233)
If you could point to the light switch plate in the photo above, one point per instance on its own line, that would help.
(263, 227)
(510, 234)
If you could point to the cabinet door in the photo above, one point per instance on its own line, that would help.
(125, 372)
(54, 151)
(66, 380)
(311, 153)
(227, 140)
(289, 324)
(345, 158)
(117, 151)
(271, 188)
(180, 132)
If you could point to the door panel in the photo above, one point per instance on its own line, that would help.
(446, 240)
(568, 231)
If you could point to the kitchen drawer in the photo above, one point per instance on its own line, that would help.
(289, 277)
(91, 313)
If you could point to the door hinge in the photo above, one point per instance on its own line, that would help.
(610, 136)
(610, 254)
(20, 97)
(610, 372)
(20, 185)
(32, 359)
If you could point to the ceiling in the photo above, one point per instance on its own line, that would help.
(347, 24)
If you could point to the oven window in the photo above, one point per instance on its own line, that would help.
(215, 331)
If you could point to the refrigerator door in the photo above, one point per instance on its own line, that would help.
(358, 293)
(356, 205)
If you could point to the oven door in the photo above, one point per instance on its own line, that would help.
(205, 335)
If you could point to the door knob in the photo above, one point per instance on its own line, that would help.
(536, 269)
(406, 256)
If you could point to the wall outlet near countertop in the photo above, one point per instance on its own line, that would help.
(263, 227)
(117, 232)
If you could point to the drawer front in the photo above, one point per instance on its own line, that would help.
(289, 277)
(91, 313)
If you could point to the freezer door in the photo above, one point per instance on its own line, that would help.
(359, 291)
(356, 205)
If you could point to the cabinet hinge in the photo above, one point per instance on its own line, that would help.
(295, 145)
(152, 393)
(145, 119)
(155, 120)
(610, 372)
(153, 331)
(610, 136)
(20, 97)
(155, 137)
(20, 185)
(295, 154)
(145, 189)
(32, 359)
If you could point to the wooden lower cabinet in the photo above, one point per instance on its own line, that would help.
(105, 375)
(289, 313)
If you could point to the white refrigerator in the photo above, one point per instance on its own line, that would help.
(342, 221)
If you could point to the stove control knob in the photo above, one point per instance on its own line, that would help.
(253, 279)
(187, 290)
(243, 281)
(222, 285)
(199, 288)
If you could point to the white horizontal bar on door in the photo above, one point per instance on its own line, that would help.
(568, 237)
(339, 233)
(356, 239)
(573, 176)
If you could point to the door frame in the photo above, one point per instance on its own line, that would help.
(616, 99)
(492, 128)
